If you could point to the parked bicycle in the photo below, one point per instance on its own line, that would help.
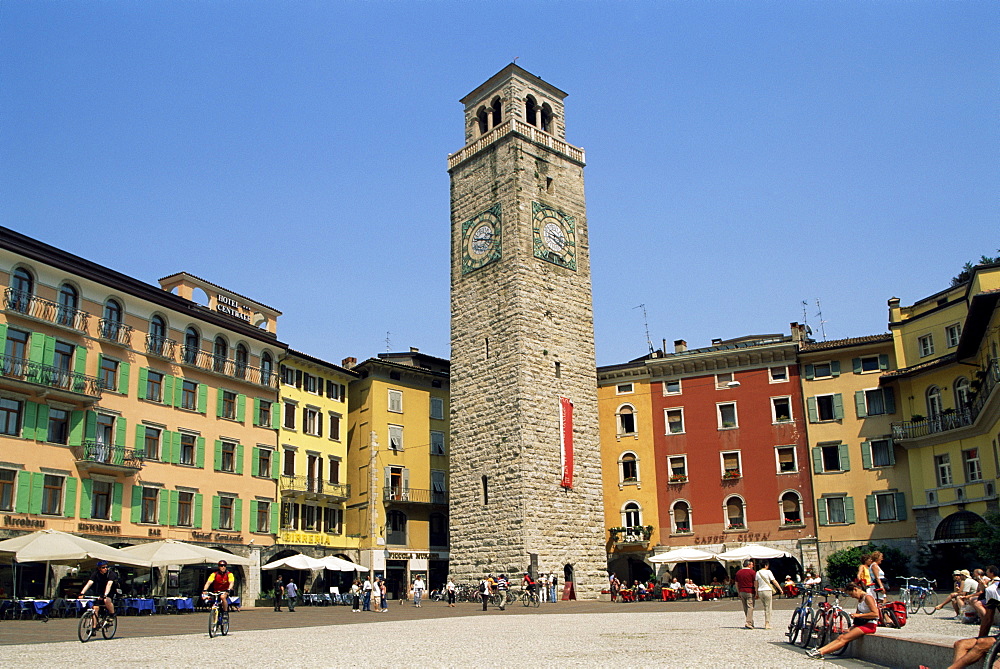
(218, 618)
(802, 617)
(97, 618)
(831, 621)
(918, 596)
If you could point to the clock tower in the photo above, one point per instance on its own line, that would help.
(525, 459)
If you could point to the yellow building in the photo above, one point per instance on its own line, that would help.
(130, 412)
(312, 457)
(398, 467)
(860, 477)
(628, 469)
(946, 345)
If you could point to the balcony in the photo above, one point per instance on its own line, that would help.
(44, 310)
(32, 374)
(161, 347)
(95, 456)
(414, 496)
(314, 488)
(986, 381)
(115, 332)
(220, 365)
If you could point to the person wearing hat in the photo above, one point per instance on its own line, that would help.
(220, 581)
(103, 579)
(965, 585)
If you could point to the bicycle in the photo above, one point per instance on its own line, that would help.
(992, 660)
(917, 596)
(218, 618)
(530, 598)
(796, 625)
(812, 618)
(98, 618)
(831, 622)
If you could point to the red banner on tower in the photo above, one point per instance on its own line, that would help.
(566, 432)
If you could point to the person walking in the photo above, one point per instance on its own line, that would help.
(381, 594)
(449, 588)
(745, 581)
(502, 587)
(356, 596)
(553, 590)
(279, 593)
(418, 590)
(543, 589)
(767, 589)
(291, 592)
(484, 591)
(366, 591)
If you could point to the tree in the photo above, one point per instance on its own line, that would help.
(842, 566)
(987, 545)
(969, 267)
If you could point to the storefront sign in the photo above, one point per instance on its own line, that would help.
(227, 305)
(414, 556)
(154, 532)
(743, 538)
(100, 529)
(221, 538)
(23, 521)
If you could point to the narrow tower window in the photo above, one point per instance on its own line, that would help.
(487, 348)
(486, 490)
(497, 106)
(531, 110)
(558, 370)
(548, 185)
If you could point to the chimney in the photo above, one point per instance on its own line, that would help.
(680, 346)
(414, 349)
(349, 363)
(716, 342)
(797, 332)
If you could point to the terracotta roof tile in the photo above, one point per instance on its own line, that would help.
(843, 343)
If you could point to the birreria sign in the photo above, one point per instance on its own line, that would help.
(230, 307)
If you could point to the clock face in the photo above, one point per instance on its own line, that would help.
(481, 239)
(555, 235)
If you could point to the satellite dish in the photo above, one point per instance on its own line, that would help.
(809, 330)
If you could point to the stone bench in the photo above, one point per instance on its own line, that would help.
(893, 648)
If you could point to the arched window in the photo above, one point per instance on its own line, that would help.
(22, 286)
(483, 119)
(242, 356)
(192, 344)
(959, 525)
(962, 393)
(628, 468)
(934, 407)
(266, 367)
(112, 320)
(395, 528)
(735, 513)
(220, 351)
(438, 529)
(497, 107)
(531, 110)
(680, 517)
(157, 334)
(631, 515)
(69, 303)
(791, 508)
(626, 420)
(546, 114)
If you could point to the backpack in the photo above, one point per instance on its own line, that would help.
(900, 610)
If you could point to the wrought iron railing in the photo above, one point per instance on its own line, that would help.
(46, 310)
(220, 365)
(49, 376)
(415, 495)
(988, 380)
(314, 485)
(119, 456)
(160, 346)
(115, 331)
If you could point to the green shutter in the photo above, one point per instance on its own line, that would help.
(849, 510)
(883, 361)
(136, 503)
(845, 457)
(116, 502)
(856, 364)
(81, 360)
(100, 370)
(218, 402)
(143, 382)
(238, 515)
(256, 411)
(28, 421)
(197, 510)
(86, 497)
(202, 398)
(76, 424)
(835, 367)
(255, 461)
(817, 454)
(3, 335)
(218, 456)
(37, 489)
(178, 392)
(90, 427)
(859, 403)
(215, 511)
(140, 440)
(811, 409)
(838, 407)
(275, 418)
(900, 506)
(889, 398)
(22, 503)
(274, 517)
(36, 347)
(866, 455)
(163, 499)
(42, 423)
(810, 373)
(239, 458)
(253, 516)
(821, 511)
(167, 391)
(199, 456)
(871, 509)
(275, 465)
(49, 350)
(241, 407)
(892, 452)
(121, 427)
(173, 501)
(123, 373)
(69, 497)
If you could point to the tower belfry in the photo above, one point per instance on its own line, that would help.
(525, 458)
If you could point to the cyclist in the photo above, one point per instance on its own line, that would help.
(103, 579)
(529, 583)
(970, 651)
(502, 586)
(220, 581)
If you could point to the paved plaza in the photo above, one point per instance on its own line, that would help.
(647, 634)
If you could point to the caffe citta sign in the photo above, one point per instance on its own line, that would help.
(227, 305)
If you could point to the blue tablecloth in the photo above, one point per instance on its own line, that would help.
(183, 603)
(36, 606)
(140, 605)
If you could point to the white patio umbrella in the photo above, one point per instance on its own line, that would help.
(298, 562)
(169, 551)
(334, 563)
(686, 554)
(752, 551)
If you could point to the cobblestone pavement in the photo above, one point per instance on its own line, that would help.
(648, 634)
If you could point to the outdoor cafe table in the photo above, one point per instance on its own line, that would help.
(140, 605)
(182, 603)
(36, 606)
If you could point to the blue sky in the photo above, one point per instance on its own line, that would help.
(742, 156)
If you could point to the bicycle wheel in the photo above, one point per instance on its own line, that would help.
(930, 601)
(839, 623)
(525, 598)
(224, 622)
(213, 621)
(807, 626)
(86, 629)
(793, 627)
(904, 596)
(535, 601)
(992, 660)
(109, 627)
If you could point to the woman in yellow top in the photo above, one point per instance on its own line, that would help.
(865, 571)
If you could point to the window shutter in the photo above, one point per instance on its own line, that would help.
(143, 382)
(238, 515)
(859, 403)
(90, 426)
(86, 498)
(254, 506)
(275, 415)
(76, 423)
(256, 411)
(835, 367)
(218, 402)
(821, 511)
(163, 499)
(3, 333)
(202, 398)
(140, 440)
(136, 503)
(889, 398)
(196, 521)
(871, 509)
(239, 458)
(81, 360)
(845, 457)
(406, 482)
(100, 371)
(319, 423)
(298, 378)
(275, 465)
(838, 406)
(866, 455)
(23, 501)
(883, 361)
(817, 454)
(36, 348)
(199, 447)
(255, 461)
(811, 409)
(856, 363)
(69, 497)
(900, 506)
(218, 456)
(178, 391)
(241, 407)
(28, 422)
(849, 510)
(120, 431)
(123, 373)
(37, 488)
(42, 423)
(892, 452)
(216, 504)
(810, 374)
(331, 390)
(173, 501)
(274, 518)
(388, 478)
(116, 502)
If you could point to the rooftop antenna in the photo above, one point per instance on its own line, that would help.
(822, 323)
(387, 342)
(645, 321)
(805, 319)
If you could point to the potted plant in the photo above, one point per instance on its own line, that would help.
(736, 526)
(731, 474)
(916, 418)
(678, 478)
